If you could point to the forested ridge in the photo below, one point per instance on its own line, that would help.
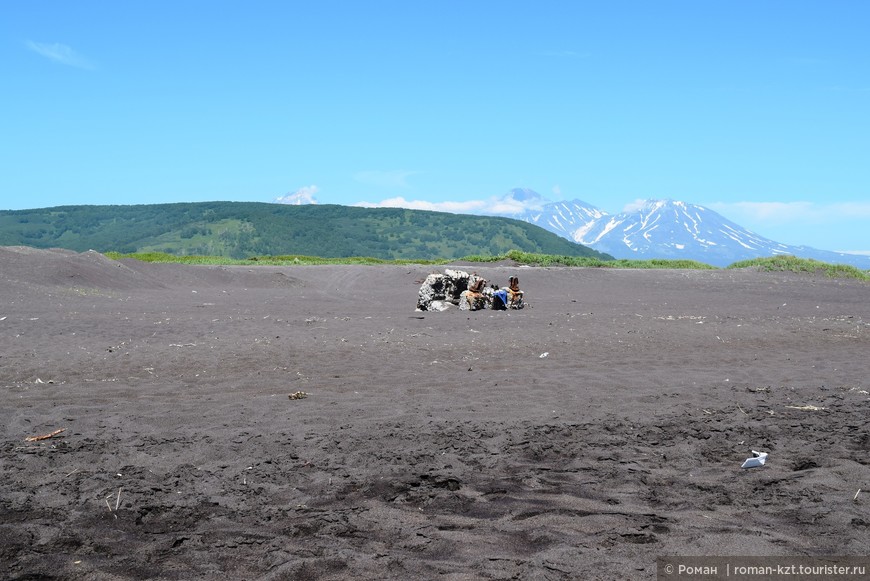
(246, 229)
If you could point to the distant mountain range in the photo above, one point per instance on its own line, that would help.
(663, 229)
(667, 229)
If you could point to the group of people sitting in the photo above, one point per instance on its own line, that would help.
(480, 296)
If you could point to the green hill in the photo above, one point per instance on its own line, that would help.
(245, 229)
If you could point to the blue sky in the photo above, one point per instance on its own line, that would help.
(758, 110)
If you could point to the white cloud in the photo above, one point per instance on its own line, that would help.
(635, 205)
(793, 212)
(304, 195)
(385, 179)
(60, 53)
(500, 205)
(852, 209)
(508, 205)
(819, 225)
(469, 207)
(771, 212)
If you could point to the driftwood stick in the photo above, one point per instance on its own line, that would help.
(44, 436)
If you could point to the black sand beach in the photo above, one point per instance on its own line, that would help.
(579, 438)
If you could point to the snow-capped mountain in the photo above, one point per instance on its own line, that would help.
(564, 218)
(676, 230)
(671, 230)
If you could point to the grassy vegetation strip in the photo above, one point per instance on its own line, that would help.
(285, 260)
(532, 259)
(787, 263)
(527, 258)
(772, 264)
(517, 256)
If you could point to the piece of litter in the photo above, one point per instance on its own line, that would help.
(544, 354)
(856, 494)
(758, 459)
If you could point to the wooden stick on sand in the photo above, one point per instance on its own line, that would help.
(44, 436)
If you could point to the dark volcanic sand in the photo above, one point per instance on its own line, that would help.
(431, 445)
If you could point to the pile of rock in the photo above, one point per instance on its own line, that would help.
(440, 290)
(469, 292)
